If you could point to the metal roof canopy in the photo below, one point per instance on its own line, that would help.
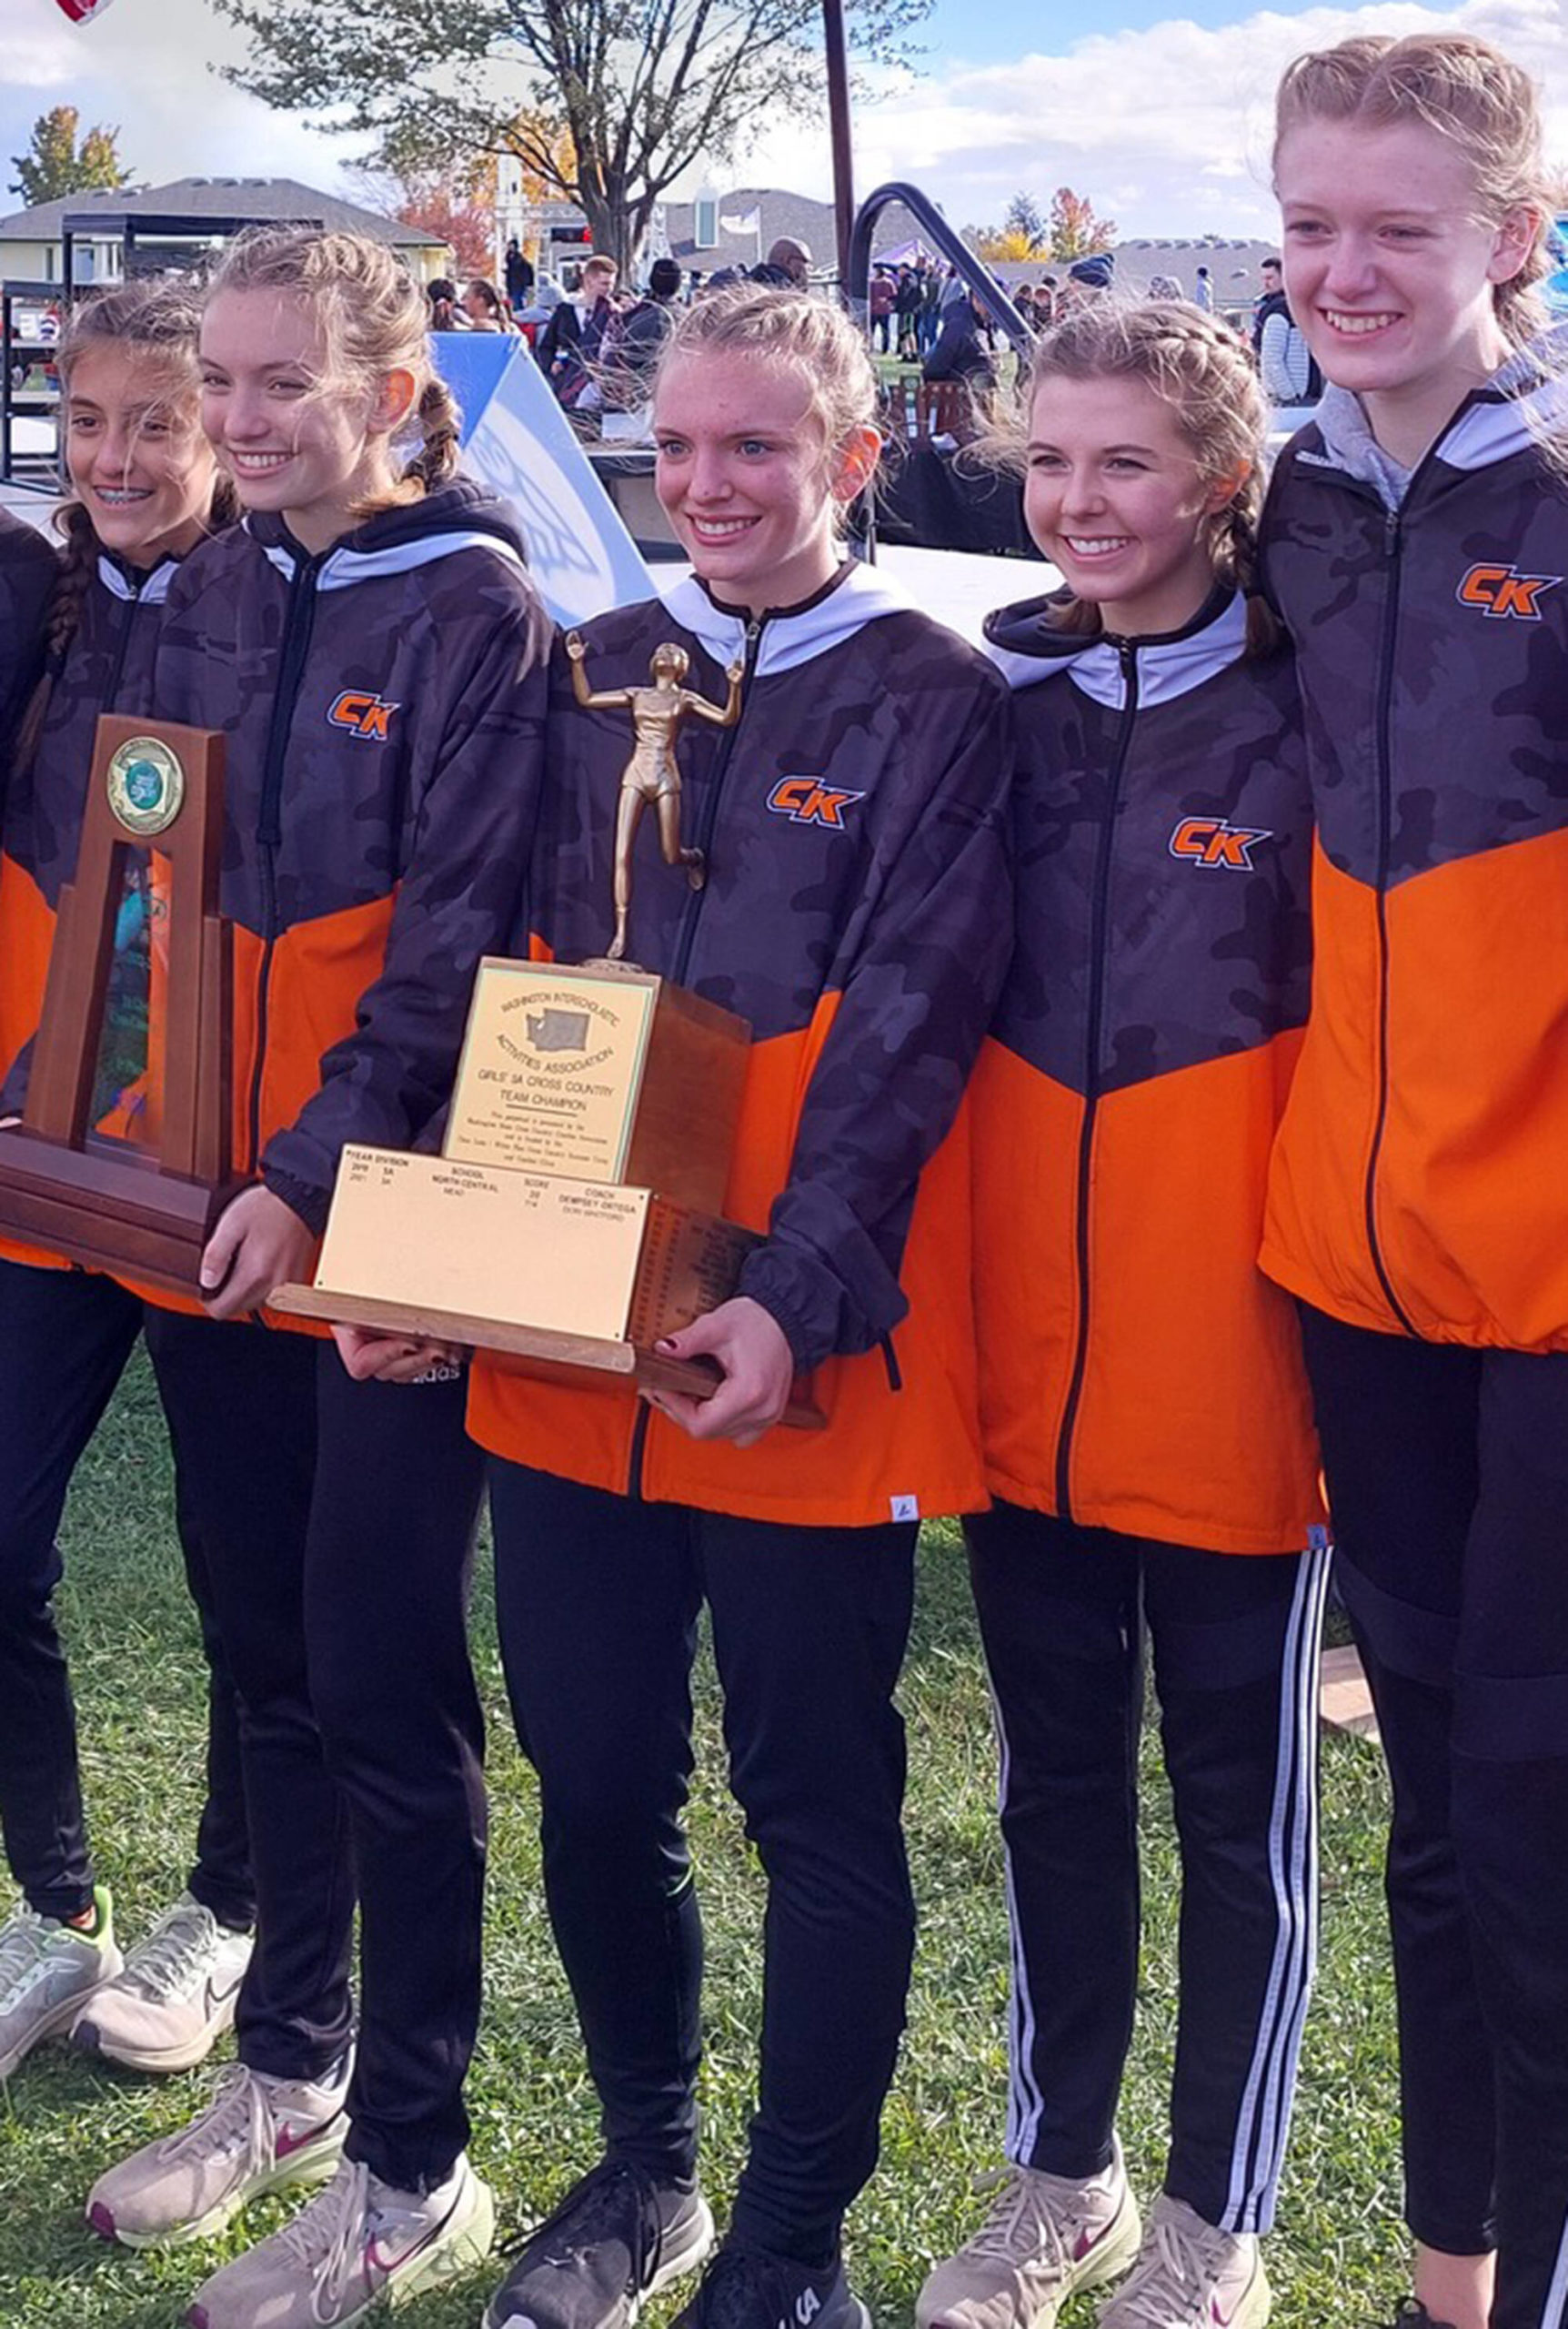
(134, 226)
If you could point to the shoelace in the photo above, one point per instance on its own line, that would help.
(1185, 2264)
(599, 2204)
(328, 2237)
(160, 1967)
(237, 2119)
(1018, 2219)
(740, 2288)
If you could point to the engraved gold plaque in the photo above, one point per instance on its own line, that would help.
(146, 782)
(551, 1070)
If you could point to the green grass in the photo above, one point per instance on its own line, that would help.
(1335, 2260)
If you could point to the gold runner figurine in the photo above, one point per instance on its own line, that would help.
(651, 776)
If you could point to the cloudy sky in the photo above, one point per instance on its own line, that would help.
(1163, 120)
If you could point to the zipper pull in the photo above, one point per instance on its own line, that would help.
(1391, 532)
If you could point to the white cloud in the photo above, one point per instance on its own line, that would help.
(1168, 127)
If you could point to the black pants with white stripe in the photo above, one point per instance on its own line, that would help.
(1448, 1473)
(1063, 1611)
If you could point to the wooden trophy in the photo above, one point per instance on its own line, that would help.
(142, 1209)
(572, 1220)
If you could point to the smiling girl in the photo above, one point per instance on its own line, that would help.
(1417, 544)
(855, 910)
(1144, 1405)
(370, 644)
(145, 492)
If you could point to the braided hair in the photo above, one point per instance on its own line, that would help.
(1197, 365)
(374, 319)
(157, 320)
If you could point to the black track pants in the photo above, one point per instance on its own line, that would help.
(64, 1338)
(598, 1600)
(1448, 1476)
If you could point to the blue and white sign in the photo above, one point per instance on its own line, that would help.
(517, 439)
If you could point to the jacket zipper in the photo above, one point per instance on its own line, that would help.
(123, 644)
(1098, 973)
(685, 943)
(299, 624)
(1393, 544)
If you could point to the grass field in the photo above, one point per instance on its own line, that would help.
(1335, 2261)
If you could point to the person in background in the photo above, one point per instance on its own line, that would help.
(881, 308)
(788, 265)
(1203, 291)
(482, 306)
(573, 342)
(446, 311)
(646, 327)
(1271, 300)
(519, 276)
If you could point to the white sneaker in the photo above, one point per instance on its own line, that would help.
(1046, 2235)
(48, 1970)
(357, 2243)
(259, 2133)
(173, 1998)
(1188, 2275)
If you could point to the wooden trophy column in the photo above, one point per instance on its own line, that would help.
(144, 1209)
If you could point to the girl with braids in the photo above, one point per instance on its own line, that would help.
(1416, 542)
(1143, 1405)
(370, 644)
(145, 492)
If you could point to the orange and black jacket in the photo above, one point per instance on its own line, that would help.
(1421, 1179)
(856, 912)
(28, 565)
(1138, 1371)
(107, 666)
(383, 704)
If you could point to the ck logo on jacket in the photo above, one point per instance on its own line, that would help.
(805, 801)
(361, 714)
(1209, 841)
(1504, 590)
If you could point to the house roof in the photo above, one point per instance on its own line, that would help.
(782, 213)
(257, 200)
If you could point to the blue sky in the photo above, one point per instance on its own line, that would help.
(1160, 115)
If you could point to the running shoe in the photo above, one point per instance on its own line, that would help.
(743, 2288)
(173, 1998)
(48, 1970)
(617, 2237)
(259, 2133)
(1045, 2236)
(1188, 2275)
(358, 2243)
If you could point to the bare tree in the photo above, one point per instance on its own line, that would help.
(642, 88)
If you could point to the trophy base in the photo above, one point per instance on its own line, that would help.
(109, 1207)
(552, 1275)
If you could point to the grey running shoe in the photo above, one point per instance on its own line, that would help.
(359, 2242)
(173, 1998)
(616, 2238)
(745, 2288)
(258, 2135)
(48, 1970)
(1046, 2235)
(1188, 2275)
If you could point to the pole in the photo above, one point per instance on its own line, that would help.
(837, 52)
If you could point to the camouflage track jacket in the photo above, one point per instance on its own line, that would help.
(384, 709)
(1138, 1371)
(28, 565)
(857, 912)
(1419, 1180)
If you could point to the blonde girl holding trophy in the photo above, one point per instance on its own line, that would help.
(854, 908)
(370, 644)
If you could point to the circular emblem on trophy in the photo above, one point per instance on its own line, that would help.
(146, 786)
